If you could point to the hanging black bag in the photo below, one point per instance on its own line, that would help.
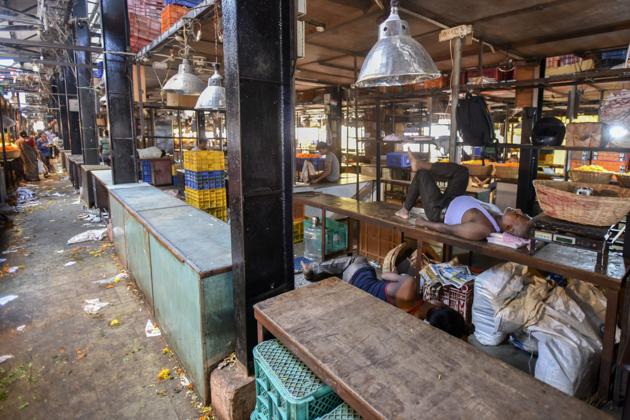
(474, 122)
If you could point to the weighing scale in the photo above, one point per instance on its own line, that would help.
(592, 238)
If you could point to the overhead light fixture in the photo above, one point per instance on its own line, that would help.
(184, 82)
(396, 58)
(213, 96)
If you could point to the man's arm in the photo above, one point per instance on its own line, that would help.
(325, 174)
(394, 276)
(469, 230)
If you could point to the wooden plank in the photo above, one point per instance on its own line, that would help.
(387, 364)
(547, 260)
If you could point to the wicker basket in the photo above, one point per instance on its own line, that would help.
(623, 179)
(608, 204)
(591, 177)
(505, 171)
(480, 171)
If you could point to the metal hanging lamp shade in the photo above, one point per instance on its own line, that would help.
(184, 82)
(396, 58)
(213, 96)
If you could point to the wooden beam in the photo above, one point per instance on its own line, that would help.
(580, 33)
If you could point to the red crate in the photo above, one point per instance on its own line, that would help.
(459, 299)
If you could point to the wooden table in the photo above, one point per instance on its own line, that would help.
(387, 364)
(569, 262)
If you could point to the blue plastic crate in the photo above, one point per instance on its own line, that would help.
(398, 160)
(207, 180)
(286, 389)
(146, 176)
(185, 3)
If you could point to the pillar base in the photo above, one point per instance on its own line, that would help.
(233, 393)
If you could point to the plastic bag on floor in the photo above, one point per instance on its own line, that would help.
(525, 309)
(493, 288)
(89, 235)
(568, 346)
(593, 303)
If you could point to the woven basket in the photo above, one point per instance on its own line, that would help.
(505, 172)
(623, 179)
(591, 177)
(480, 171)
(608, 204)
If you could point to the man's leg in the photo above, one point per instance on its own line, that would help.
(455, 175)
(334, 267)
(425, 187)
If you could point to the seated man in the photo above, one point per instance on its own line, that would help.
(331, 169)
(399, 290)
(453, 211)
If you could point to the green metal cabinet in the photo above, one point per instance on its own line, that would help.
(180, 257)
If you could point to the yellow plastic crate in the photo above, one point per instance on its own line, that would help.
(298, 230)
(207, 199)
(204, 160)
(220, 214)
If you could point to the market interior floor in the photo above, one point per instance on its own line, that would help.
(67, 363)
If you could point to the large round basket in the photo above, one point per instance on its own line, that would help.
(480, 171)
(608, 204)
(591, 177)
(505, 171)
(623, 179)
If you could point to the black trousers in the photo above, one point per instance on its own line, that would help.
(424, 186)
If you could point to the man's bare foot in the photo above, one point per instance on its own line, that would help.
(307, 270)
(416, 163)
(413, 161)
(402, 213)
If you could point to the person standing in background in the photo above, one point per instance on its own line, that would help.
(104, 149)
(28, 155)
(45, 151)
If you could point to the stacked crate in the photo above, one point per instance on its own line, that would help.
(171, 14)
(144, 22)
(204, 179)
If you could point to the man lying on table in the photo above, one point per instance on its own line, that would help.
(453, 211)
(401, 290)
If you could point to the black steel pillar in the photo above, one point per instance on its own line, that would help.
(258, 47)
(118, 76)
(72, 106)
(201, 125)
(63, 111)
(87, 100)
(335, 117)
(528, 166)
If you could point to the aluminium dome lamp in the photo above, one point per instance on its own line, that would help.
(184, 82)
(213, 96)
(396, 58)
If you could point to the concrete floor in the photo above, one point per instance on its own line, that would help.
(69, 364)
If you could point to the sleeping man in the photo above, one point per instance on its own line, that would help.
(400, 290)
(453, 211)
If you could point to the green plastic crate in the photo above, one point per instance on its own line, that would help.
(286, 389)
(342, 412)
(336, 235)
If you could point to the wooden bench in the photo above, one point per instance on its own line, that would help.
(387, 364)
(554, 258)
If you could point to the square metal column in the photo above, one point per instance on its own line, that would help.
(87, 99)
(72, 105)
(258, 51)
(118, 76)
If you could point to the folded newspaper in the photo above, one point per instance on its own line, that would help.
(446, 274)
